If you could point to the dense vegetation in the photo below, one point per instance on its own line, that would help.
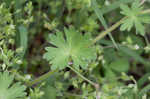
(74, 49)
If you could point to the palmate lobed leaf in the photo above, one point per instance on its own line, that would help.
(134, 18)
(74, 47)
(9, 90)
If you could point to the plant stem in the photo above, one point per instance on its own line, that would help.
(41, 78)
(102, 20)
(104, 33)
(89, 81)
(113, 27)
(146, 40)
(142, 2)
(71, 94)
(45, 76)
(145, 11)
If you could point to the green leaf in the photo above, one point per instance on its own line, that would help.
(120, 65)
(9, 90)
(127, 25)
(49, 92)
(75, 47)
(109, 73)
(145, 90)
(143, 80)
(139, 27)
(134, 18)
(114, 5)
(145, 18)
(127, 51)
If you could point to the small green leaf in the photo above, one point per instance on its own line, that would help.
(125, 9)
(120, 65)
(145, 90)
(109, 73)
(145, 18)
(134, 18)
(114, 5)
(140, 28)
(9, 90)
(144, 79)
(74, 46)
(127, 51)
(49, 92)
(127, 25)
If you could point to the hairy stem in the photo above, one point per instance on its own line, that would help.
(113, 27)
(104, 33)
(89, 81)
(145, 11)
(41, 78)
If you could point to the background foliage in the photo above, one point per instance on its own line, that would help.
(80, 61)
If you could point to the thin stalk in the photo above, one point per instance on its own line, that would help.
(89, 81)
(145, 11)
(102, 20)
(104, 33)
(146, 40)
(142, 2)
(45, 76)
(41, 78)
(113, 27)
(71, 94)
(76, 95)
